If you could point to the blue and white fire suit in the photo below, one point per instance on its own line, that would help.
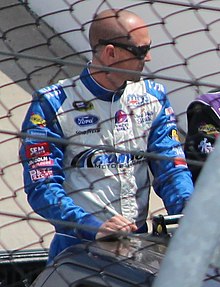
(103, 170)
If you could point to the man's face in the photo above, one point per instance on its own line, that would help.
(128, 60)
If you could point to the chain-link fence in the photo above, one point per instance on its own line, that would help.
(42, 42)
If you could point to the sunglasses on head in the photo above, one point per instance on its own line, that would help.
(139, 52)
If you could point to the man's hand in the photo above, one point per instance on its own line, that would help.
(114, 224)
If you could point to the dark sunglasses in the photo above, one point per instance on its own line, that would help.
(139, 52)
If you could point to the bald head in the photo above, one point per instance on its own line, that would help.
(115, 25)
(119, 39)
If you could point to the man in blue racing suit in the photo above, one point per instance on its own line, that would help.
(90, 140)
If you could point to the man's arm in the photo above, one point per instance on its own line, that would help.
(172, 179)
(43, 171)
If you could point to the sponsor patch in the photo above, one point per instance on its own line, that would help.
(144, 117)
(209, 129)
(83, 106)
(135, 100)
(40, 161)
(36, 150)
(120, 117)
(90, 131)
(180, 162)
(170, 113)
(174, 135)
(36, 132)
(121, 120)
(205, 147)
(156, 86)
(51, 91)
(41, 173)
(180, 159)
(96, 158)
(86, 120)
(37, 120)
(178, 151)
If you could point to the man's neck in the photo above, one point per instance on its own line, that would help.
(107, 80)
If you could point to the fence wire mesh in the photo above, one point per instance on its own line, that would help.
(41, 43)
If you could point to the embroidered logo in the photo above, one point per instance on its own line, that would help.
(83, 106)
(86, 120)
(205, 146)
(121, 120)
(37, 120)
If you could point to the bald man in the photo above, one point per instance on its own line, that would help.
(99, 184)
(111, 29)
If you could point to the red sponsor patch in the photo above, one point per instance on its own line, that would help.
(180, 162)
(39, 149)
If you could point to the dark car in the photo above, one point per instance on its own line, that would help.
(133, 260)
(130, 261)
(116, 261)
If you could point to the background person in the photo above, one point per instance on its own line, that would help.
(203, 116)
(85, 183)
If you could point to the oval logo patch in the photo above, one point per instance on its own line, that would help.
(86, 120)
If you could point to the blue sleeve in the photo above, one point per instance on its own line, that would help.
(42, 161)
(172, 179)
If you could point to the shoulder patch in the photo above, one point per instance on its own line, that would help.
(50, 91)
(156, 86)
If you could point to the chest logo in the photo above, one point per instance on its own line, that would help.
(83, 106)
(121, 120)
(86, 120)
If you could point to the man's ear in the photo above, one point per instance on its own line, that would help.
(110, 53)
